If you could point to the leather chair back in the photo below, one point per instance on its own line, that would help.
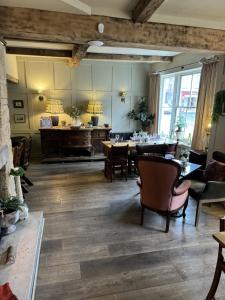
(159, 150)
(219, 156)
(158, 179)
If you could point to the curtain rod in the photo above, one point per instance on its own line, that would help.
(177, 67)
(204, 60)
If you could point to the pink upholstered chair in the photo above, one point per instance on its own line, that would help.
(159, 187)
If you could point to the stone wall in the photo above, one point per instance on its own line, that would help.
(7, 181)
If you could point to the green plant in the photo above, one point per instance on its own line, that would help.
(76, 112)
(141, 114)
(10, 204)
(17, 172)
(180, 124)
(218, 104)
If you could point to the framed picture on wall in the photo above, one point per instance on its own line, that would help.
(18, 104)
(19, 118)
(223, 109)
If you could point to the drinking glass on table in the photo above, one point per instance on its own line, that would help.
(117, 137)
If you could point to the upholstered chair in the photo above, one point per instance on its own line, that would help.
(160, 190)
(209, 187)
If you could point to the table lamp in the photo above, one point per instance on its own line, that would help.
(95, 108)
(54, 107)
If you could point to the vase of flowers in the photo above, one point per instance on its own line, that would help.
(75, 115)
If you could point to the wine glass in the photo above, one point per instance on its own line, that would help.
(117, 137)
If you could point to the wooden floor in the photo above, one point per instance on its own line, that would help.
(94, 248)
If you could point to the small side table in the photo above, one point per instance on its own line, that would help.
(198, 157)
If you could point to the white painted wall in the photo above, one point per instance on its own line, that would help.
(76, 86)
(11, 67)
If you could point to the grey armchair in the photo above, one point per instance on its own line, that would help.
(208, 191)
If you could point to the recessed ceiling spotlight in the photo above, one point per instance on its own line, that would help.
(95, 43)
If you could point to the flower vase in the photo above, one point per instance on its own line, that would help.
(76, 122)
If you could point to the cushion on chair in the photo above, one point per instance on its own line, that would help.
(215, 171)
(197, 186)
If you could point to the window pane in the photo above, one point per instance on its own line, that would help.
(168, 90)
(185, 91)
(165, 121)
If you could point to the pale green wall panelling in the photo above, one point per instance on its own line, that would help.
(76, 86)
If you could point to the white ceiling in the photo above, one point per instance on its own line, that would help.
(203, 13)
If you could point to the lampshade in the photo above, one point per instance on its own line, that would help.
(54, 107)
(95, 107)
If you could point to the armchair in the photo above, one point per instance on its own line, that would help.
(208, 191)
(159, 188)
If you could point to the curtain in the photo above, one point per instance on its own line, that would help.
(205, 104)
(154, 91)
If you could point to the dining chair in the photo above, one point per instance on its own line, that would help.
(209, 190)
(160, 190)
(159, 150)
(172, 149)
(117, 159)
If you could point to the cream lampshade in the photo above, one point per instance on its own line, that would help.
(54, 107)
(95, 108)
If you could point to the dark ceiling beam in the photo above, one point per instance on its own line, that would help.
(77, 55)
(47, 26)
(144, 9)
(38, 52)
(124, 57)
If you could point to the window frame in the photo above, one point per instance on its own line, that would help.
(176, 95)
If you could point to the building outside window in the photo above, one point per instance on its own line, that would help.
(178, 103)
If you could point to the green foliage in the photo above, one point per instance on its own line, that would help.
(10, 204)
(141, 114)
(180, 124)
(218, 105)
(76, 112)
(17, 172)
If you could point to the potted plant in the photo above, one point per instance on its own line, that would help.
(180, 125)
(10, 213)
(142, 114)
(75, 115)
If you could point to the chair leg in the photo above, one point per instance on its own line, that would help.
(185, 207)
(167, 222)
(27, 180)
(24, 190)
(198, 208)
(142, 215)
(217, 275)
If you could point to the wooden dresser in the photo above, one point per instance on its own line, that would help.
(63, 144)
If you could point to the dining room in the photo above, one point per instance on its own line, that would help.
(112, 150)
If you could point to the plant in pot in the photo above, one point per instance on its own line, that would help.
(17, 173)
(10, 213)
(180, 125)
(75, 115)
(142, 114)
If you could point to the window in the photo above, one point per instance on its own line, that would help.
(178, 102)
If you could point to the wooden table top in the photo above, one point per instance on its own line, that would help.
(132, 144)
(220, 238)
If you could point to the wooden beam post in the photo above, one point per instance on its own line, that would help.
(78, 52)
(145, 9)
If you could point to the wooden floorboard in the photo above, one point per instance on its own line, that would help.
(94, 248)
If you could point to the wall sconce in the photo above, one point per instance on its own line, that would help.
(41, 98)
(208, 129)
(122, 95)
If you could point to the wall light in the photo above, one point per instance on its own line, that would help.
(122, 95)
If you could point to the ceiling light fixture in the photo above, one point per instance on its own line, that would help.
(95, 43)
